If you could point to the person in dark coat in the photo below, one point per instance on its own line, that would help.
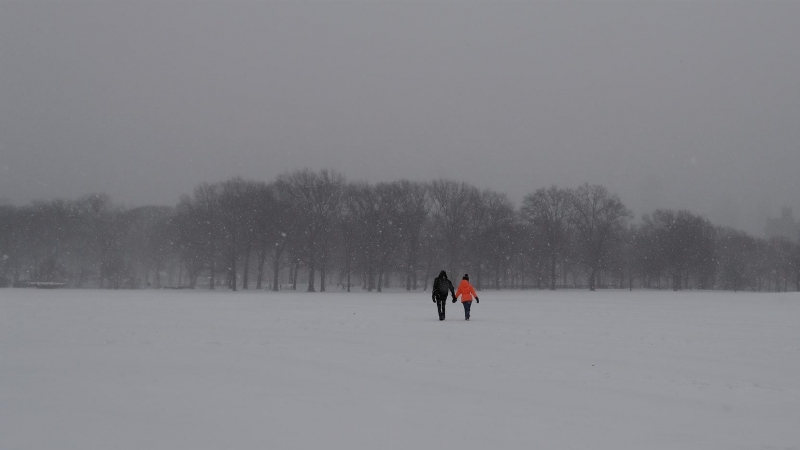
(441, 286)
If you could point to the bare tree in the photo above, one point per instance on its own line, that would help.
(232, 204)
(491, 232)
(414, 210)
(203, 209)
(350, 236)
(265, 217)
(317, 200)
(736, 259)
(388, 233)
(796, 265)
(9, 246)
(552, 212)
(191, 240)
(782, 263)
(454, 206)
(681, 242)
(598, 216)
(285, 233)
(150, 240)
(363, 208)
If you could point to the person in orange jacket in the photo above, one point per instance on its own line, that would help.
(467, 293)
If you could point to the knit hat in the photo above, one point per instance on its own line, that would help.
(466, 276)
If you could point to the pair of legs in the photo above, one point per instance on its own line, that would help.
(467, 306)
(441, 302)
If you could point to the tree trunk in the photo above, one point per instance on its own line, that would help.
(478, 284)
(211, 265)
(211, 280)
(592, 275)
(676, 281)
(630, 276)
(347, 268)
(798, 281)
(413, 265)
(246, 270)
(276, 269)
(232, 273)
(312, 272)
(322, 275)
(412, 260)
(291, 274)
(262, 258)
(383, 275)
(538, 275)
(409, 271)
(553, 272)
(294, 274)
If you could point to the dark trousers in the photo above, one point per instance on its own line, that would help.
(467, 306)
(441, 302)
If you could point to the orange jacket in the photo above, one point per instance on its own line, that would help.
(466, 291)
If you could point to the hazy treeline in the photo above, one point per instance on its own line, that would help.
(316, 231)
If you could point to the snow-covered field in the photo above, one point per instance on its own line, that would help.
(531, 370)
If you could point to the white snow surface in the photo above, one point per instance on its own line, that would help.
(96, 369)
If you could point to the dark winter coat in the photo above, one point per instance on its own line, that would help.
(441, 285)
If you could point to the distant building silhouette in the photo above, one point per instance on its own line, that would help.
(783, 226)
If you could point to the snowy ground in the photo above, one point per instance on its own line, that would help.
(531, 370)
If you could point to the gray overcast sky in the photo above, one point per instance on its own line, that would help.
(691, 104)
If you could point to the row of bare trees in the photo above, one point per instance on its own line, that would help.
(87, 242)
(315, 228)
